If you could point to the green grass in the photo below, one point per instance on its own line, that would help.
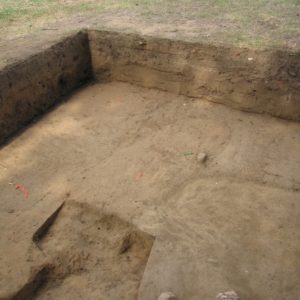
(16, 10)
(13, 11)
(243, 22)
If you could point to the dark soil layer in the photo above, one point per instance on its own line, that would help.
(30, 87)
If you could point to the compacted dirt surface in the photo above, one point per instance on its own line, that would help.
(218, 188)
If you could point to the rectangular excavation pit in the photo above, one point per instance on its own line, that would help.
(250, 80)
(129, 139)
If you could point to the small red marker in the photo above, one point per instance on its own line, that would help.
(139, 175)
(23, 189)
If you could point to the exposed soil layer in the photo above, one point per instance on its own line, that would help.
(256, 81)
(31, 86)
(228, 223)
(87, 255)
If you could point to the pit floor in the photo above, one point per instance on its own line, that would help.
(231, 222)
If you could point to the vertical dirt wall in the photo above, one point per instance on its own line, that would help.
(30, 87)
(256, 81)
(250, 80)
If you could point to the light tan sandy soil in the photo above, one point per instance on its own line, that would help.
(231, 222)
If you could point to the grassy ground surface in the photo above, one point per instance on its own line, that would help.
(256, 23)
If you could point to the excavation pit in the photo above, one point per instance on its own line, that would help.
(128, 117)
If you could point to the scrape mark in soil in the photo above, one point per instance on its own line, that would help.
(43, 229)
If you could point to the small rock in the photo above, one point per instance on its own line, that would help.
(167, 296)
(142, 43)
(250, 58)
(230, 295)
(201, 157)
(10, 211)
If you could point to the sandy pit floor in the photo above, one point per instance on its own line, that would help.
(230, 222)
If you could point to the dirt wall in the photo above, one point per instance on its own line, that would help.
(250, 80)
(30, 87)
